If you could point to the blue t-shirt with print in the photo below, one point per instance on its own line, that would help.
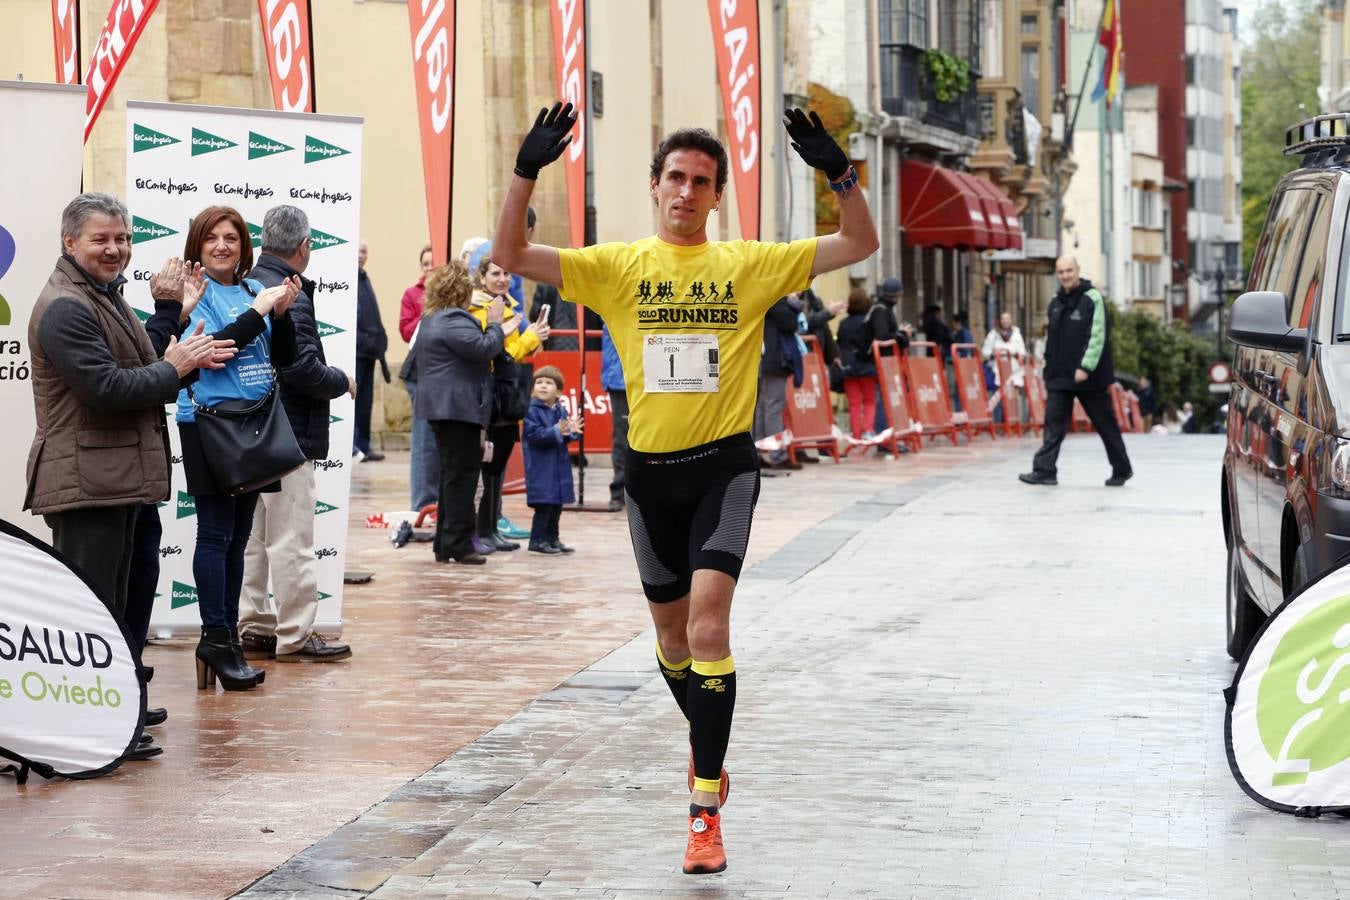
(246, 377)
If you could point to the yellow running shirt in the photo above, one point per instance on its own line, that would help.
(688, 323)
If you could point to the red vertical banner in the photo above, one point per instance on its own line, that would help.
(288, 37)
(126, 20)
(433, 46)
(569, 58)
(66, 40)
(735, 25)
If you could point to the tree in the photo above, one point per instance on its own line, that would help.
(1281, 71)
(1174, 359)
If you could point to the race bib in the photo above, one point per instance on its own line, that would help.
(680, 363)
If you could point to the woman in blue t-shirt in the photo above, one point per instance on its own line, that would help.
(241, 310)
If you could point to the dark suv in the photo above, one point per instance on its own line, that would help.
(1286, 469)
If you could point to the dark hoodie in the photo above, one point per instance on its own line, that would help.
(1078, 337)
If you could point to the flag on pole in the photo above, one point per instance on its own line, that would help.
(1110, 38)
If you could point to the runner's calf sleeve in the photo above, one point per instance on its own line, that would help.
(677, 678)
(712, 698)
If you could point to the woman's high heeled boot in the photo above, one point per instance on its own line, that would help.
(259, 675)
(215, 659)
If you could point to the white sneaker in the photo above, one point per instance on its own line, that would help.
(358, 455)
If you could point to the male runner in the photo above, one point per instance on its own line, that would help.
(687, 315)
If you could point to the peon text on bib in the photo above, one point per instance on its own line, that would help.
(680, 363)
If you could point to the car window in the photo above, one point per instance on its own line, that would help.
(1308, 286)
(1285, 241)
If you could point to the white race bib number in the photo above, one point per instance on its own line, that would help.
(681, 363)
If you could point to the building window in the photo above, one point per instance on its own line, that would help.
(991, 42)
(1030, 25)
(1147, 209)
(903, 22)
(1190, 194)
(959, 29)
(1167, 231)
(1031, 79)
(1147, 280)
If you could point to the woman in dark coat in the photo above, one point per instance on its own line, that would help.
(454, 377)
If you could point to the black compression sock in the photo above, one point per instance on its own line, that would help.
(677, 679)
(712, 699)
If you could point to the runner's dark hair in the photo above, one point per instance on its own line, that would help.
(691, 139)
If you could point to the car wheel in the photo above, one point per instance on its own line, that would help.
(1299, 577)
(1244, 616)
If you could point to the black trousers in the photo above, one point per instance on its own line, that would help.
(1058, 416)
(98, 542)
(144, 577)
(504, 439)
(618, 455)
(460, 448)
(365, 399)
(544, 526)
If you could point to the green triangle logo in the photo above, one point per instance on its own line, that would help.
(332, 418)
(143, 138)
(260, 145)
(321, 507)
(144, 317)
(326, 330)
(323, 596)
(206, 142)
(143, 230)
(186, 506)
(183, 595)
(254, 235)
(322, 240)
(317, 150)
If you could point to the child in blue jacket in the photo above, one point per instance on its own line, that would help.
(548, 469)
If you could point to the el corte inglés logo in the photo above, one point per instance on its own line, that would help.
(254, 234)
(331, 418)
(143, 138)
(326, 330)
(1302, 717)
(186, 505)
(206, 142)
(322, 240)
(142, 315)
(260, 145)
(143, 230)
(321, 507)
(317, 150)
(183, 595)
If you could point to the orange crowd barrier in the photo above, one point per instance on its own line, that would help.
(1008, 392)
(809, 414)
(894, 381)
(1036, 398)
(974, 394)
(932, 406)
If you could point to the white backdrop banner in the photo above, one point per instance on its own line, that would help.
(37, 179)
(182, 159)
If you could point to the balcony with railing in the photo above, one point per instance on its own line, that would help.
(906, 90)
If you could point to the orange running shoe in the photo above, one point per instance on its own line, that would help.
(705, 855)
(723, 790)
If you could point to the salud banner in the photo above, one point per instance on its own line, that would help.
(66, 40)
(433, 44)
(735, 25)
(126, 20)
(1288, 725)
(182, 159)
(569, 58)
(37, 179)
(288, 38)
(71, 702)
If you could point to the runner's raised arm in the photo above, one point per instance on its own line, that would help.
(542, 145)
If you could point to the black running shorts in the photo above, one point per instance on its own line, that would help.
(691, 509)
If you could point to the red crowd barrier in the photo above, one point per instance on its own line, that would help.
(1120, 406)
(928, 388)
(896, 392)
(974, 395)
(1036, 398)
(1008, 392)
(809, 414)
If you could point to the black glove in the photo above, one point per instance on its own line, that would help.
(814, 144)
(545, 141)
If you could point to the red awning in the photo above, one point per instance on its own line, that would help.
(1000, 236)
(941, 208)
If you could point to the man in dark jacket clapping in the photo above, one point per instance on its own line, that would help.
(283, 523)
(1078, 366)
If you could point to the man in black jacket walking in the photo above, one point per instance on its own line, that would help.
(371, 343)
(283, 523)
(779, 362)
(1078, 366)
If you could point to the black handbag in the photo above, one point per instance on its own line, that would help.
(248, 444)
(509, 402)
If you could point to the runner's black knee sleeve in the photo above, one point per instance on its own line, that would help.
(711, 699)
(677, 678)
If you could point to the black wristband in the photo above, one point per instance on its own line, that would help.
(532, 176)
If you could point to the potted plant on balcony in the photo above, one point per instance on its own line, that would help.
(948, 76)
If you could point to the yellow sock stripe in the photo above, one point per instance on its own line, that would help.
(720, 667)
(712, 786)
(661, 658)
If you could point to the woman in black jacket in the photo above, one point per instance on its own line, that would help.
(856, 334)
(454, 377)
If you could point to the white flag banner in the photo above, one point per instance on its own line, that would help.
(71, 702)
(37, 179)
(182, 159)
(1288, 723)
